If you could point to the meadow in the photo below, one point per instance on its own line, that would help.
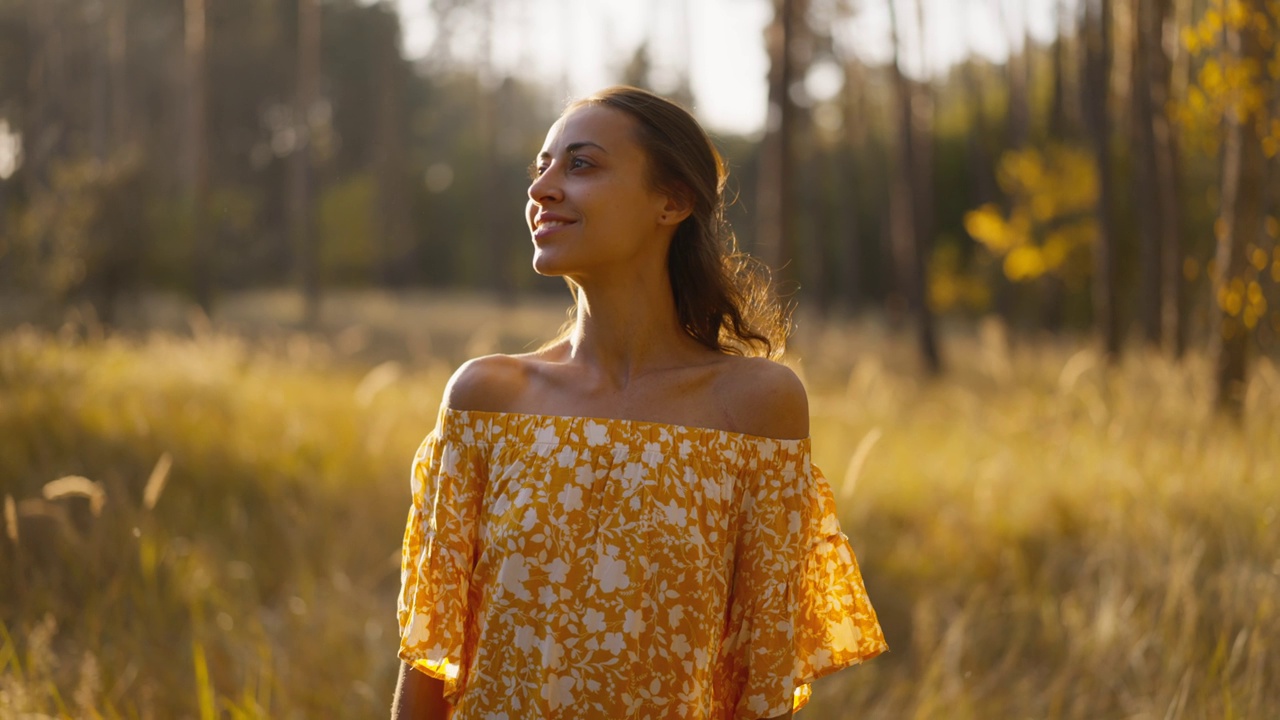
(202, 519)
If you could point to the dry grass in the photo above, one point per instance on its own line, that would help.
(1043, 537)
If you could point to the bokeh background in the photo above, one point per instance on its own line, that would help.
(1032, 246)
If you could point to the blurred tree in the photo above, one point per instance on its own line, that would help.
(1018, 70)
(910, 200)
(773, 195)
(196, 146)
(390, 162)
(1097, 39)
(1142, 125)
(1164, 48)
(1244, 80)
(309, 118)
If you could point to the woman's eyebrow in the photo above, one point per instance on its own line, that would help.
(575, 147)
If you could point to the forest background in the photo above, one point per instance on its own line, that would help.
(243, 242)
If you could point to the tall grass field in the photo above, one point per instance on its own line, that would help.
(202, 519)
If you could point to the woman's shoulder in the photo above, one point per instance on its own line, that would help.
(763, 398)
(487, 384)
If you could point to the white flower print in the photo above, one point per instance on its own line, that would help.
(593, 621)
(612, 574)
(525, 637)
(557, 571)
(418, 630)
(675, 615)
(614, 643)
(529, 520)
(845, 635)
(634, 624)
(567, 456)
(558, 691)
(820, 658)
(676, 514)
(552, 653)
(570, 498)
(596, 433)
(513, 575)
(524, 497)
(449, 462)
(680, 645)
(545, 440)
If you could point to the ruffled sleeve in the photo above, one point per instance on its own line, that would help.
(798, 609)
(438, 555)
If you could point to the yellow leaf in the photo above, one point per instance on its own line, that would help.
(987, 226)
(1024, 263)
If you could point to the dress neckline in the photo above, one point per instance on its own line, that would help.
(641, 427)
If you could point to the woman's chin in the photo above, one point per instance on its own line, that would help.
(546, 264)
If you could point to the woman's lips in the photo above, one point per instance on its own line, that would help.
(547, 225)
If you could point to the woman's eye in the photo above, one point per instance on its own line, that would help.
(536, 170)
(579, 163)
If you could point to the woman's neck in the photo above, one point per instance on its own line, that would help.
(627, 328)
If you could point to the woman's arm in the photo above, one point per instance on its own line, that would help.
(419, 697)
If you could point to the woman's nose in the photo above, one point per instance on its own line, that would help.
(544, 188)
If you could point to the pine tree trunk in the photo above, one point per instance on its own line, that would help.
(773, 206)
(389, 164)
(1096, 88)
(1145, 175)
(196, 153)
(301, 172)
(907, 209)
(1240, 222)
(1168, 177)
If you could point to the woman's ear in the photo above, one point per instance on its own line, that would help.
(678, 206)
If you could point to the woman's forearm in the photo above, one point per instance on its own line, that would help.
(419, 697)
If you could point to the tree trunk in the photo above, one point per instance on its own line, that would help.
(196, 148)
(1097, 74)
(1168, 176)
(908, 208)
(1240, 223)
(1064, 112)
(42, 131)
(390, 174)
(1018, 69)
(1145, 176)
(301, 173)
(117, 61)
(773, 206)
(852, 249)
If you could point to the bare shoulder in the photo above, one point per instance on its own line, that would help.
(487, 384)
(764, 398)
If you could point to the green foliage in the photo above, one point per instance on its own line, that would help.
(83, 231)
(347, 231)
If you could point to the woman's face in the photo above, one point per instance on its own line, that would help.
(590, 204)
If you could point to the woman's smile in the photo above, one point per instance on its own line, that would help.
(546, 223)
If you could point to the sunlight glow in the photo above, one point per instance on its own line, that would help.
(575, 47)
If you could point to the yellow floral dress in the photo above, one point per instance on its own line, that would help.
(558, 567)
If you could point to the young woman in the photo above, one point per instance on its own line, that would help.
(626, 523)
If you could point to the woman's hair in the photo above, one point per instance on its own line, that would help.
(723, 297)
